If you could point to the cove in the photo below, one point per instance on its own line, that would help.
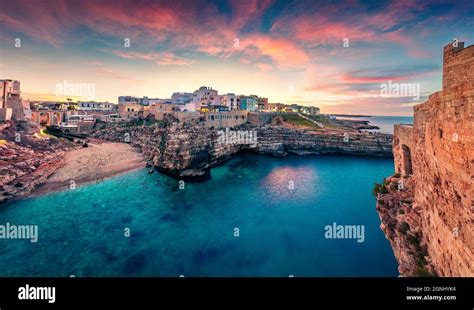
(190, 231)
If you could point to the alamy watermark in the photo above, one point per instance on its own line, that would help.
(234, 137)
(10, 231)
(335, 231)
(83, 90)
(392, 89)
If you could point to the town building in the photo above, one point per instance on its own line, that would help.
(76, 118)
(96, 106)
(226, 119)
(231, 101)
(262, 104)
(205, 96)
(160, 109)
(110, 118)
(144, 101)
(12, 106)
(181, 98)
(213, 108)
(130, 110)
(249, 103)
(309, 110)
(187, 116)
(275, 107)
(292, 108)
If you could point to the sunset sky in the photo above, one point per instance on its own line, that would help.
(288, 51)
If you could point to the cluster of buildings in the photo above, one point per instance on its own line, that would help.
(224, 110)
(69, 116)
(204, 104)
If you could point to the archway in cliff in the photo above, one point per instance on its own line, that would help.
(44, 119)
(407, 164)
(56, 118)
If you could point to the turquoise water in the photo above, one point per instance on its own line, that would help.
(385, 123)
(190, 231)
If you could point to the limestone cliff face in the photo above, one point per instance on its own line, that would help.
(188, 150)
(279, 140)
(181, 149)
(26, 163)
(435, 160)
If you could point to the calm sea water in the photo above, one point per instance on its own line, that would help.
(385, 123)
(190, 231)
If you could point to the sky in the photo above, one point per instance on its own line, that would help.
(337, 55)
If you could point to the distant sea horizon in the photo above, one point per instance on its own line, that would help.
(385, 123)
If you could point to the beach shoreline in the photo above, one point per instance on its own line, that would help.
(97, 162)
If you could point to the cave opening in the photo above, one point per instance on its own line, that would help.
(407, 163)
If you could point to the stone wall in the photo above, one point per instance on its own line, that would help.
(440, 150)
(402, 146)
(260, 119)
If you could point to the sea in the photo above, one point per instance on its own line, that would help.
(258, 216)
(385, 123)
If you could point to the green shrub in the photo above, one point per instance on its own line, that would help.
(379, 189)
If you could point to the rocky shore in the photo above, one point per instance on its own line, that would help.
(27, 159)
(188, 150)
(401, 224)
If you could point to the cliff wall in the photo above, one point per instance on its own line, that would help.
(26, 159)
(189, 150)
(435, 161)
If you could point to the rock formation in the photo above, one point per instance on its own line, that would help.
(427, 207)
(26, 159)
(188, 150)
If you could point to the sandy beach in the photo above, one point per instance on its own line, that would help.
(94, 163)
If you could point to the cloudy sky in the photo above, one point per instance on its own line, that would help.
(332, 54)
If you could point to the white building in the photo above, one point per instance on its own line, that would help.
(76, 118)
(182, 97)
(231, 101)
(96, 106)
(205, 96)
(130, 99)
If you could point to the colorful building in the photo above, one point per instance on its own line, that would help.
(249, 103)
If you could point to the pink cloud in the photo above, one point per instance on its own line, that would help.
(165, 58)
(357, 79)
(284, 53)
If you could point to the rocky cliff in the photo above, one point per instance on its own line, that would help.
(427, 207)
(181, 149)
(27, 159)
(188, 150)
(277, 140)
